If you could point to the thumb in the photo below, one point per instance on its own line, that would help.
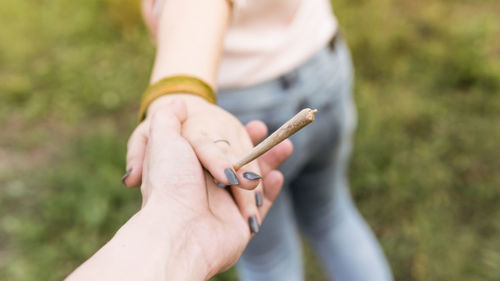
(170, 160)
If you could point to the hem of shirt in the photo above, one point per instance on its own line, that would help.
(282, 71)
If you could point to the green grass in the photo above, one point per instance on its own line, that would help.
(425, 172)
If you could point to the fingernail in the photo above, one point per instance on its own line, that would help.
(127, 173)
(254, 225)
(221, 185)
(258, 198)
(231, 176)
(251, 176)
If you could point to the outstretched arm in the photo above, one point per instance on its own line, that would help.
(189, 36)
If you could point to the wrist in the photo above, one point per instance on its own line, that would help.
(193, 103)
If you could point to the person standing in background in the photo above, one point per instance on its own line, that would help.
(268, 59)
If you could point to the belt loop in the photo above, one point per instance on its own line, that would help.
(288, 80)
(333, 41)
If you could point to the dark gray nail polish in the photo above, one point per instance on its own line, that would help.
(127, 173)
(221, 185)
(251, 176)
(258, 199)
(254, 224)
(231, 176)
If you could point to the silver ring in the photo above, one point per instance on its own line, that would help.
(222, 140)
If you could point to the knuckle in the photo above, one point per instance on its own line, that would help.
(222, 147)
(199, 140)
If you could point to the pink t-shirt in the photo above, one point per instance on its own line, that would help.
(267, 38)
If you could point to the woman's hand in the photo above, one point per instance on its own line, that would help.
(204, 125)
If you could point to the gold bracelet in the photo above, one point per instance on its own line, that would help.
(175, 85)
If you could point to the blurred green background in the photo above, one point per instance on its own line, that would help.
(426, 169)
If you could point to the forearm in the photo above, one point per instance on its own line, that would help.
(190, 37)
(145, 248)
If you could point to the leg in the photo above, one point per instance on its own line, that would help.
(274, 254)
(328, 217)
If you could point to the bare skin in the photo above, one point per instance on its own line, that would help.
(188, 227)
(189, 35)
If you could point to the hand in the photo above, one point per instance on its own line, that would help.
(204, 124)
(215, 225)
(188, 228)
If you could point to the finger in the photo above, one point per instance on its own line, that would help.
(249, 201)
(273, 159)
(273, 179)
(245, 199)
(249, 179)
(273, 183)
(171, 160)
(257, 130)
(222, 205)
(136, 149)
(166, 123)
(268, 190)
(215, 157)
(218, 158)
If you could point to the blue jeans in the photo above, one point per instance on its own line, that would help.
(315, 199)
